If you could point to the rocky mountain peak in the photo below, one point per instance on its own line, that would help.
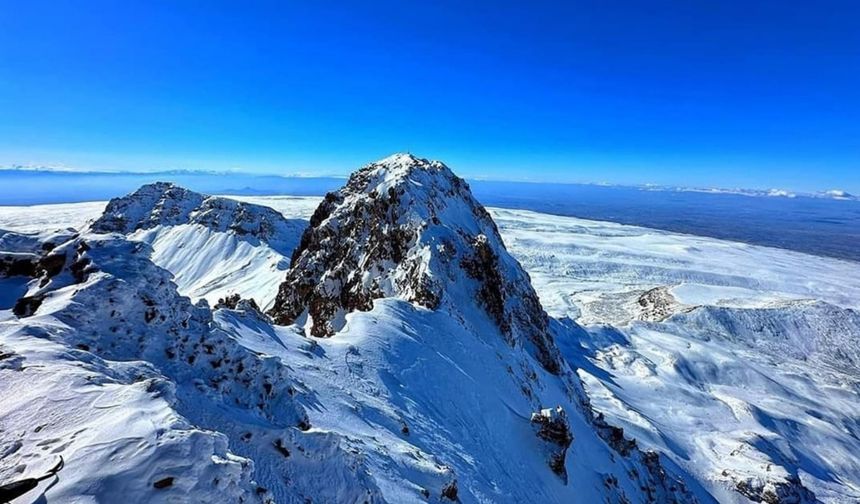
(149, 206)
(166, 204)
(409, 228)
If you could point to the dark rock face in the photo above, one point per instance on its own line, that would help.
(47, 262)
(163, 483)
(27, 305)
(51, 265)
(409, 228)
(658, 485)
(551, 426)
(17, 264)
(614, 436)
(235, 302)
(450, 491)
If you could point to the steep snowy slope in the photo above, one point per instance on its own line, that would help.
(762, 342)
(114, 421)
(213, 246)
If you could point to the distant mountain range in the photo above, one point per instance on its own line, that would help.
(837, 194)
(261, 184)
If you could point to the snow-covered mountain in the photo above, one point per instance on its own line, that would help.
(410, 358)
(409, 228)
(213, 246)
(838, 194)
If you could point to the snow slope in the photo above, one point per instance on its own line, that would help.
(97, 374)
(595, 272)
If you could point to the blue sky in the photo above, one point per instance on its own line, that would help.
(730, 94)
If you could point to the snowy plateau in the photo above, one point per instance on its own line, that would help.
(397, 342)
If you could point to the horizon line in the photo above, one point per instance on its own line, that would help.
(833, 193)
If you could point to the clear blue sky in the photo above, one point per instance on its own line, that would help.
(713, 93)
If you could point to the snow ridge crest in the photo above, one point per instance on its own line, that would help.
(166, 204)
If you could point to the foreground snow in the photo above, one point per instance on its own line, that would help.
(738, 362)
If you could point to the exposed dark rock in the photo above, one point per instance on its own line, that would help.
(282, 449)
(236, 302)
(450, 491)
(27, 305)
(483, 265)
(10, 360)
(552, 427)
(614, 436)
(659, 485)
(774, 491)
(18, 264)
(163, 483)
(81, 269)
(51, 265)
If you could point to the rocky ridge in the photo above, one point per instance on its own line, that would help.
(166, 204)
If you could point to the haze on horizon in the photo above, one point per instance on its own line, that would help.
(729, 94)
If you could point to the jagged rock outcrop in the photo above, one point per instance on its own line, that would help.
(17, 264)
(450, 491)
(26, 254)
(614, 436)
(236, 302)
(657, 304)
(409, 228)
(552, 427)
(773, 491)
